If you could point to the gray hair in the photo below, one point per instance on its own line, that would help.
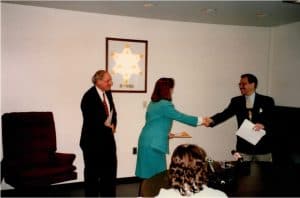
(98, 76)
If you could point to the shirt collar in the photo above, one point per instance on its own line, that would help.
(252, 96)
(100, 92)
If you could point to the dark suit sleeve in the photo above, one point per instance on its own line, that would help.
(93, 113)
(224, 115)
(94, 133)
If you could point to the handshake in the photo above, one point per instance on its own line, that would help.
(206, 121)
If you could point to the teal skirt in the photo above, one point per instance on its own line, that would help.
(149, 162)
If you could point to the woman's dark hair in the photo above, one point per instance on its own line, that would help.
(162, 89)
(188, 169)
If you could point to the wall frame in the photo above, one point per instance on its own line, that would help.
(126, 61)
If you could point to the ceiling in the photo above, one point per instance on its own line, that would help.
(245, 13)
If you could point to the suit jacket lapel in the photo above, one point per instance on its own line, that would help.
(256, 101)
(98, 100)
(243, 102)
(109, 97)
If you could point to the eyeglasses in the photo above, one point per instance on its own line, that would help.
(242, 84)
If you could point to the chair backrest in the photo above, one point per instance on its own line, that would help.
(286, 135)
(27, 132)
(151, 187)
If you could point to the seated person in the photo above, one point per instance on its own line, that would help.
(188, 174)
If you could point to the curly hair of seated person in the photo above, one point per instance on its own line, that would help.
(188, 169)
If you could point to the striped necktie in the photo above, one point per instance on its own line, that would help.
(105, 104)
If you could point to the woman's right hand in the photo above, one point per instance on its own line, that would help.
(171, 135)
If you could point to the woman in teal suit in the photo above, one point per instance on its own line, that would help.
(153, 144)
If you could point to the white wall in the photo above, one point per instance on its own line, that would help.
(285, 65)
(49, 56)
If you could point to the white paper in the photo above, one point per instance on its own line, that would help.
(247, 132)
(109, 118)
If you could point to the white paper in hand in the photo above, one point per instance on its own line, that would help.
(247, 132)
(109, 118)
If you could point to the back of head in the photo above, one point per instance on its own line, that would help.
(162, 89)
(188, 169)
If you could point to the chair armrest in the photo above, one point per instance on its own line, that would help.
(64, 158)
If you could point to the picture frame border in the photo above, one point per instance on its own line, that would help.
(109, 65)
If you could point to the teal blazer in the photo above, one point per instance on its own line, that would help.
(154, 140)
(159, 119)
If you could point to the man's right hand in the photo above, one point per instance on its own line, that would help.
(207, 121)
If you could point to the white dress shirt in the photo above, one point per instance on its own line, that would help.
(250, 101)
(100, 92)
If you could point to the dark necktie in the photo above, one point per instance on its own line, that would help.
(105, 104)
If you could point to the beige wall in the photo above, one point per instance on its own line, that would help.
(285, 65)
(49, 56)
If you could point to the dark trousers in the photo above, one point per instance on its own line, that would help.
(100, 173)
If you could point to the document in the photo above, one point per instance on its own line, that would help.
(109, 118)
(182, 134)
(247, 132)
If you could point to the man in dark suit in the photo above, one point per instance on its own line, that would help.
(254, 107)
(97, 137)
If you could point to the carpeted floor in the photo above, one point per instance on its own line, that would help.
(70, 190)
